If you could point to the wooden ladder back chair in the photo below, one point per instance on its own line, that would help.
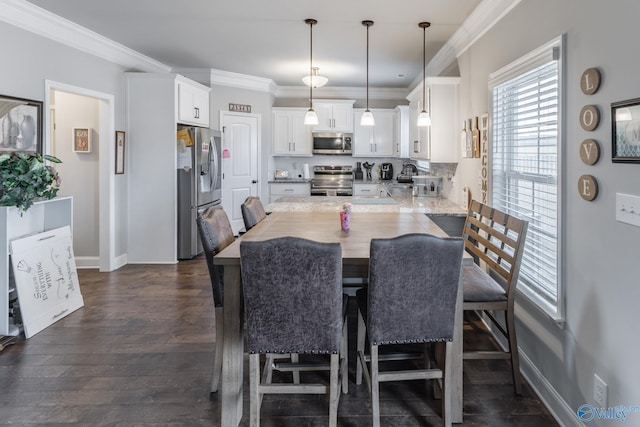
(496, 241)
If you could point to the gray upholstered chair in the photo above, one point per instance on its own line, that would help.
(414, 282)
(216, 234)
(294, 304)
(496, 241)
(252, 212)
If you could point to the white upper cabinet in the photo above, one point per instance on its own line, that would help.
(290, 135)
(439, 142)
(334, 115)
(378, 140)
(193, 103)
(419, 136)
(401, 131)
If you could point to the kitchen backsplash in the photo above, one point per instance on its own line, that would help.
(295, 166)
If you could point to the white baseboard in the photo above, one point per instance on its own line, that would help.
(552, 400)
(564, 414)
(87, 262)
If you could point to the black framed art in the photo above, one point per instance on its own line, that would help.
(625, 131)
(20, 125)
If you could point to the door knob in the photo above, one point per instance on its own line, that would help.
(254, 181)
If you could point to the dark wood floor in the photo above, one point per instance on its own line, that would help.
(140, 351)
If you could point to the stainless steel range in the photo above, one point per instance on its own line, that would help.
(332, 181)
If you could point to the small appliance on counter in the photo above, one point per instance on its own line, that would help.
(281, 174)
(357, 174)
(386, 171)
(427, 186)
(409, 170)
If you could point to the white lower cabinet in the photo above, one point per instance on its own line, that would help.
(378, 140)
(289, 189)
(366, 189)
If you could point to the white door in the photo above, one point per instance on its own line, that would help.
(240, 133)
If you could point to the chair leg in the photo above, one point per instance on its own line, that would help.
(267, 374)
(217, 357)
(254, 387)
(360, 347)
(446, 385)
(296, 374)
(334, 390)
(513, 348)
(375, 387)
(344, 356)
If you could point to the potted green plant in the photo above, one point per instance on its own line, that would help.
(24, 178)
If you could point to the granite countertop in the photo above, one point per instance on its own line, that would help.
(400, 202)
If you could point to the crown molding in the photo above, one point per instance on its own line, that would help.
(481, 20)
(341, 92)
(32, 18)
(242, 81)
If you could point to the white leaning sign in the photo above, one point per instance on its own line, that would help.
(46, 278)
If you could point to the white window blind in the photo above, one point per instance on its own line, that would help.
(525, 164)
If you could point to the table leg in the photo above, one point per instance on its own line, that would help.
(233, 348)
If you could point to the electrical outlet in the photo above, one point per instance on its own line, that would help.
(599, 391)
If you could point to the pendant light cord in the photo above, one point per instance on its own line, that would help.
(367, 24)
(424, 26)
(424, 66)
(368, 67)
(311, 63)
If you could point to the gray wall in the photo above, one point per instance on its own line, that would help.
(29, 60)
(600, 259)
(79, 171)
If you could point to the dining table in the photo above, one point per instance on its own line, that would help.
(321, 227)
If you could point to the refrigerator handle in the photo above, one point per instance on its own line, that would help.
(216, 164)
(204, 166)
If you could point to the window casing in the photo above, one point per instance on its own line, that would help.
(526, 105)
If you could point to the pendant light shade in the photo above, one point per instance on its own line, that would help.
(423, 118)
(367, 117)
(315, 79)
(310, 118)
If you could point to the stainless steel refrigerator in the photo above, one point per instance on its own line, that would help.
(199, 178)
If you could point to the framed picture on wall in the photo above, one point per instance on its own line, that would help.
(81, 138)
(120, 141)
(625, 131)
(20, 125)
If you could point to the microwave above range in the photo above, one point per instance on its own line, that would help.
(332, 143)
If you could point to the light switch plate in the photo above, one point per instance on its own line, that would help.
(628, 209)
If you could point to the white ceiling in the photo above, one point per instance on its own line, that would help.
(269, 39)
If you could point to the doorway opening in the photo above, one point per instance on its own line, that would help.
(92, 182)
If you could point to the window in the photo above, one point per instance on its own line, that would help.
(525, 164)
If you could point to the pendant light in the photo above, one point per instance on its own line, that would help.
(423, 117)
(311, 118)
(367, 116)
(315, 79)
